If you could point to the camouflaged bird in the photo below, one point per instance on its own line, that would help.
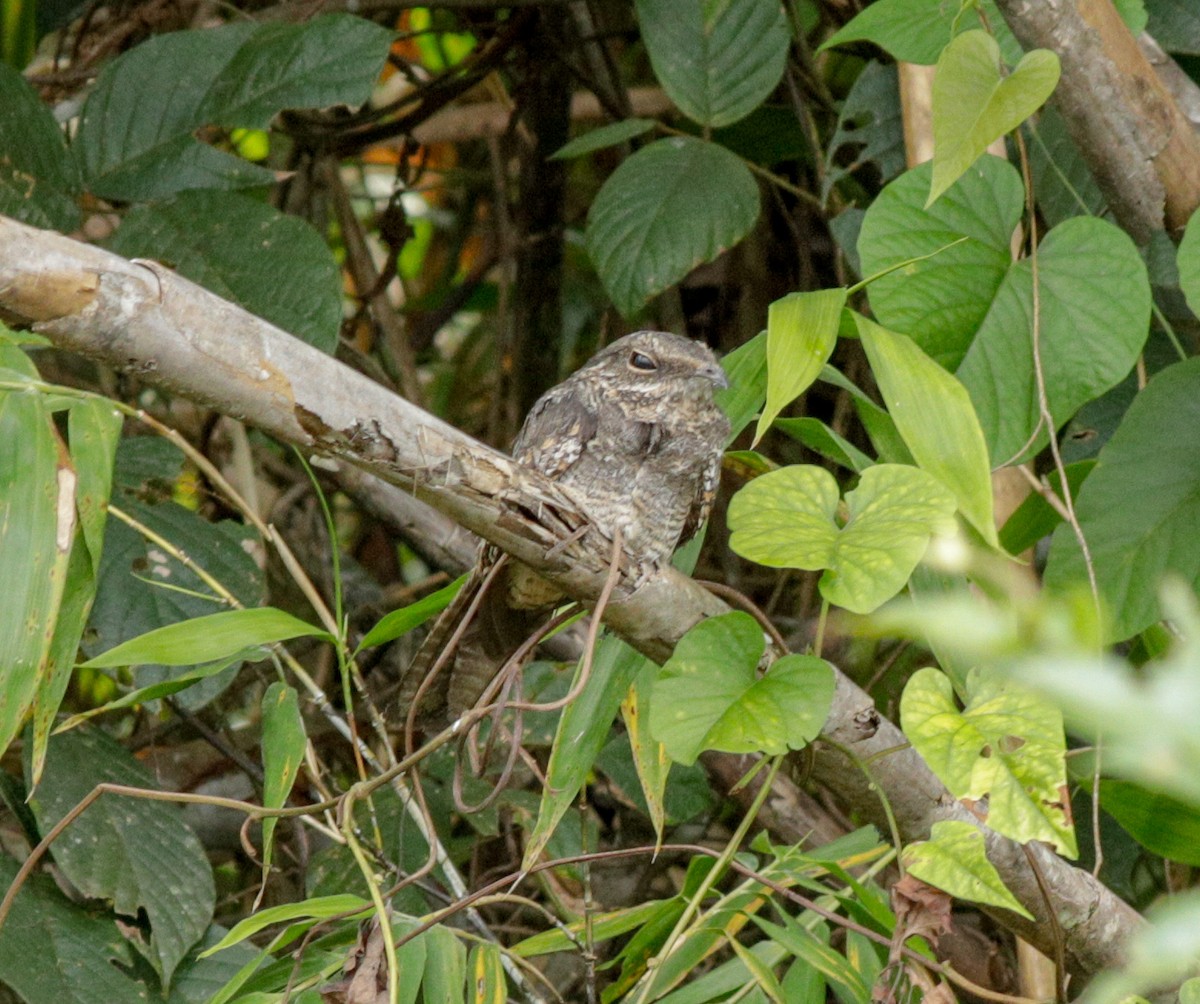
(636, 438)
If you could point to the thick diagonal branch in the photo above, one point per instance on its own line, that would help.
(146, 320)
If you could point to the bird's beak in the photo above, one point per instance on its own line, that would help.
(716, 375)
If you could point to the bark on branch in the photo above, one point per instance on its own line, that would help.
(144, 319)
(1138, 144)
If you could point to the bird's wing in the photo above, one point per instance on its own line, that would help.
(557, 430)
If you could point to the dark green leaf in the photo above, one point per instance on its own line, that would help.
(38, 176)
(1094, 319)
(136, 853)
(717, 62)
(941, 301)
(1140, 505)
(137, 137)
(54, 950)
(869, 128)
(671, 206)
(1164, 825)
(1175, 25)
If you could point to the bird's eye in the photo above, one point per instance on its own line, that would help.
(641, 361)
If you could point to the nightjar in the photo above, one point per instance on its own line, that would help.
(635, 437)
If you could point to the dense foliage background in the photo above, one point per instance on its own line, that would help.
(960, 328)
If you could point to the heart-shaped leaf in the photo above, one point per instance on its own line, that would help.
(973, 105)
(1006, 745)
(953, 859)
(709, 694)
(970, 307)
(788, 519)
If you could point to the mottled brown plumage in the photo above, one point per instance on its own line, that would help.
(636, 438)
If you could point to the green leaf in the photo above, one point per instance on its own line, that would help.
(954, 860)
(399, 622)
(1140, 505)
(1006, 745)
(673, 205)
(334, 59)
(141, 587)
(870, 129)
(802, 331)
(207, 639)
(316, 908)
(37, 527)
(136, 853)
(650, 760)
(942, 290)
(283, 746)
(54, 950)
(38, 176)
(813, 947)
(709, 694)
(246, 251)
(608, 135)
(970, 307)
(1164, 825)
(716, 61)
(820, 438)
(151, 692)
(1188, 261)
(1094, 319)
(582, 730)
(488, 985)
(137, 138)
(94, 428)
(912, 31)
(935, 416)
(604, 926)
(445, 967)
(916, 31)
(973, 105)
(788, 519)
